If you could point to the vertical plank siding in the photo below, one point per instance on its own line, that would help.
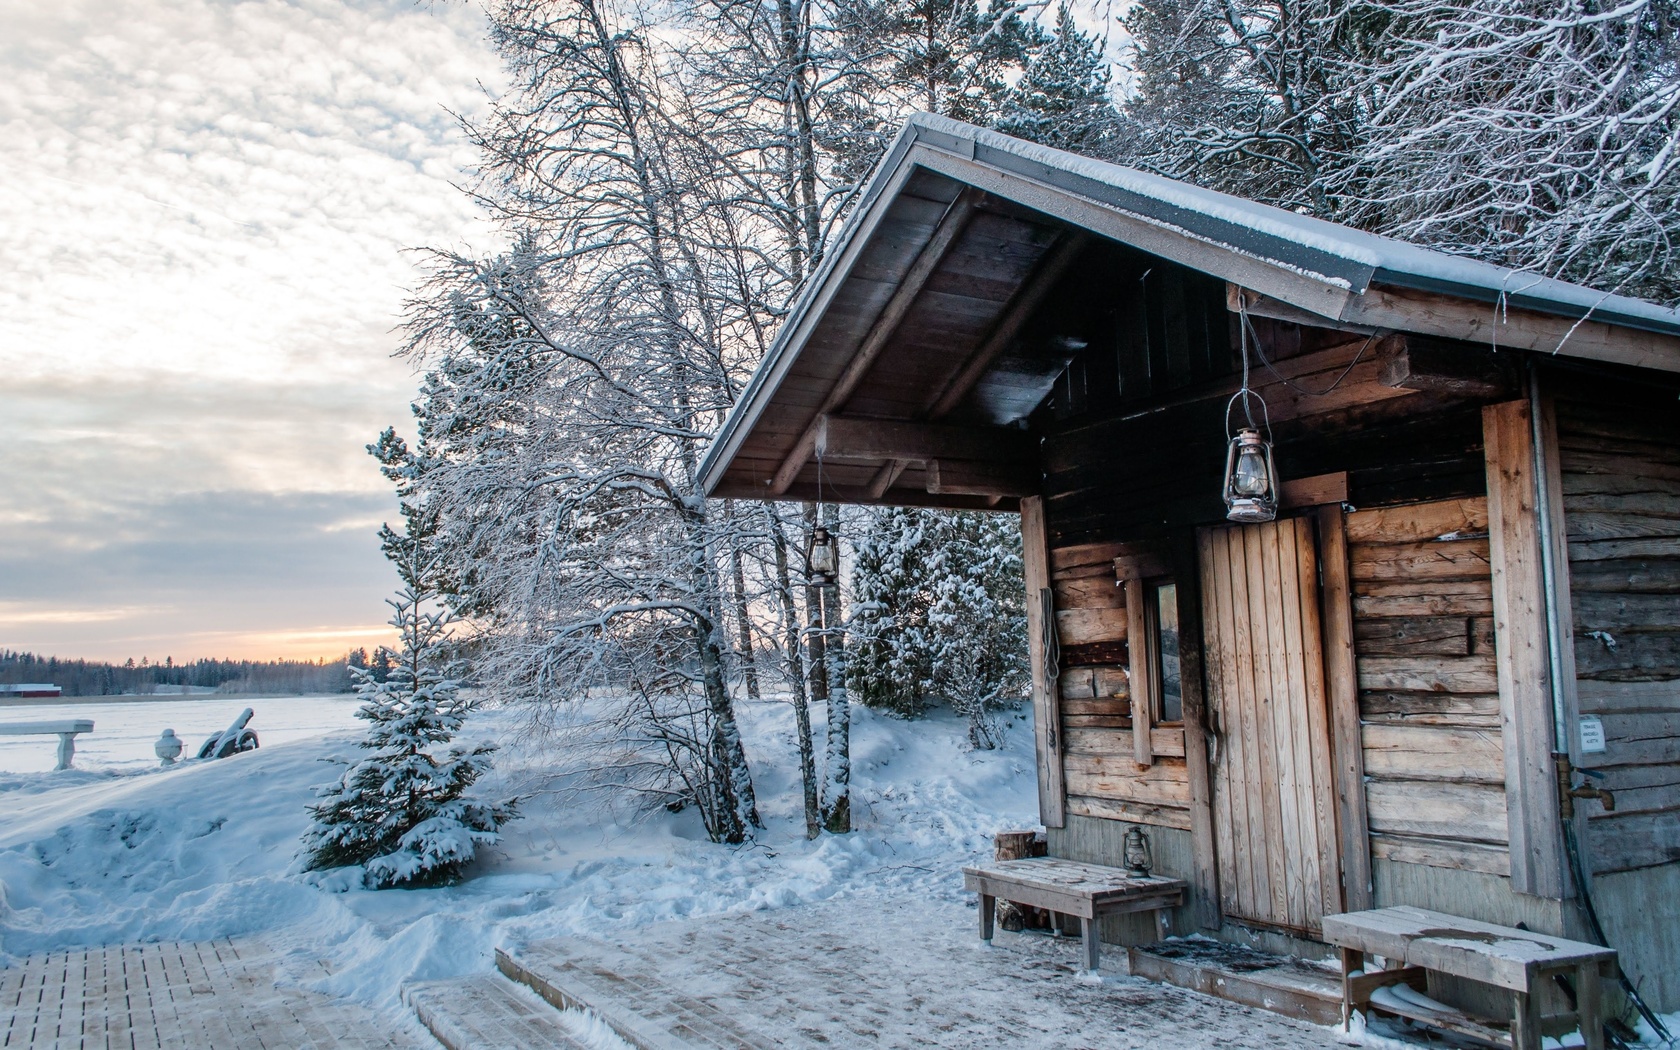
(1273, 785)
(1427, 684)
(1620, 466)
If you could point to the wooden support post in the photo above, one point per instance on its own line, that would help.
(988, 910)
(1047, 706)
(1204, 870)
(1140, 651)
(1525, 1021)
(1521, 651)
(1589, 1009)
(1341, 686)
(1090, 942)
(1353, 961)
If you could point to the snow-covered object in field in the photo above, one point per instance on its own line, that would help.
(232, 740)
(168, 747)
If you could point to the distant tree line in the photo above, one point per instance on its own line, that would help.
(95, 678)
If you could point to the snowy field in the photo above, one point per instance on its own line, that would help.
(119, 850)
(124, 729)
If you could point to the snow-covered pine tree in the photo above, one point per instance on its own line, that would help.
(940, 616)
(401, 811)
(978, 621)
(954, 57)
(891, 656)
(1062, 99)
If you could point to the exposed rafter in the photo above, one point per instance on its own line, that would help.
(950, 228)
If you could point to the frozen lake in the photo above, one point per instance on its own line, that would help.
(124, 730)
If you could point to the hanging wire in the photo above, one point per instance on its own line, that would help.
(1245, 392)
(1247, 330)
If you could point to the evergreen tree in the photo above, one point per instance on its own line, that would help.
(401, 811)
(891, 659)
(940, 616)
(1062, 99)
(953, 57)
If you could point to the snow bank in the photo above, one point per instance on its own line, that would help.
(208, 850)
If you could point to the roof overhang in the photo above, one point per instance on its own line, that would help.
(1275, 262)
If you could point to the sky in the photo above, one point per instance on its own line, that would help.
(204, 215)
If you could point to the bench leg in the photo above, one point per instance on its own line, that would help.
(1589, 1007)
(66, 749)
(1090, 942)
(1525, 1021)
(988, 914)
(1352, 959)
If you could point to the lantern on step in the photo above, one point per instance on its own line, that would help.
(1251, 484)
(1135, 852)
(825, 556)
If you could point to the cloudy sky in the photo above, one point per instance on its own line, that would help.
(204, 211)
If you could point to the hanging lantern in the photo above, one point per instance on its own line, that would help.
(1251, 485)
(825, 556)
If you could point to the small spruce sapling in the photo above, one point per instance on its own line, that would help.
(400, 812)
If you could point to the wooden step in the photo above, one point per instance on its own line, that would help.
(620, 989)
(1244, 975)
(488, 1012)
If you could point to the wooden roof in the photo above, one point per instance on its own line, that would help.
(906, 370)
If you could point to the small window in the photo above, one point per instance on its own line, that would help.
(1169, 690)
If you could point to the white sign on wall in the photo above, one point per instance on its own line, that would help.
(1592, 735)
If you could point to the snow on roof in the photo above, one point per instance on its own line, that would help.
(1335, 254)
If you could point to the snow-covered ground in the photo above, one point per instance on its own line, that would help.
(118, 850)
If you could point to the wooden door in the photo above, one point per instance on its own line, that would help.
(1273, 797)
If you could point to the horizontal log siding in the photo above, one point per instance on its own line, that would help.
(1428, 692)
(1620, 463)
(1103, 779)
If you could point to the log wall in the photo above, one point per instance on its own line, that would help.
(1619, 457)
(1103, 777)
(1428, 693)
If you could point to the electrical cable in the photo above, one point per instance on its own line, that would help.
(1579, 869)
(1247, 330)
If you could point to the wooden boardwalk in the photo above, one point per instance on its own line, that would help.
(172, 994)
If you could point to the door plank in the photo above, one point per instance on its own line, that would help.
(1247, 806)
(1319, 753)
(1284, 620)
(1260, 624)
(1216, 612)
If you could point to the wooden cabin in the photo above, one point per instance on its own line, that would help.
(1453, 652)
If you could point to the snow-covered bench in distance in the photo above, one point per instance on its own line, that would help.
(65, 731)
(1088, 891)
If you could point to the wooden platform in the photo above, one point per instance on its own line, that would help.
(877, 975)
(488, 1012)
(1243, 975)
(173, 994)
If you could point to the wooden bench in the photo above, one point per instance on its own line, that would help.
(1086, 891)
(66, 732)
(1413, 941)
